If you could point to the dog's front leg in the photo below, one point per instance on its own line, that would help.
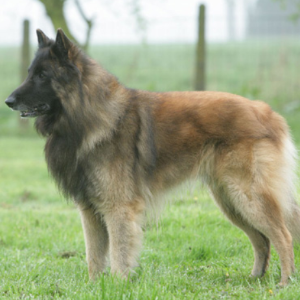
(96, 240)
(125, 236)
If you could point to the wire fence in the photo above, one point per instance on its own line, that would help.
(257, 65)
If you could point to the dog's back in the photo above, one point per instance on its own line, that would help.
(243, 151)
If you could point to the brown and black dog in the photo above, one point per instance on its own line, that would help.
(114, 150)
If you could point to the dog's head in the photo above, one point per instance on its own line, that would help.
(51, 68)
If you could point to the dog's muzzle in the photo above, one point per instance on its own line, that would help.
(26, 111)
(10, 101)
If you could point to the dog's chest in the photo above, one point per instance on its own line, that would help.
(100, 174)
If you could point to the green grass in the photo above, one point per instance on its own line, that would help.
(192, 252)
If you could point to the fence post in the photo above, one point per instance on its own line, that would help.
(25, 61)
(200, 51)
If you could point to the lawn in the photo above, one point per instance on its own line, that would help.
(192, 251)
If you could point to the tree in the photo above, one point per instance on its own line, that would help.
(55, 11)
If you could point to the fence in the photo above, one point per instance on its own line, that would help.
(264, 67)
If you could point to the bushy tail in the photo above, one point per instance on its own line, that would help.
(293, 222)
(292, 214)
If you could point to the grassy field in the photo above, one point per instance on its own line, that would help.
(192, 252)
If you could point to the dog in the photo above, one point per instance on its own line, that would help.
(114, 150)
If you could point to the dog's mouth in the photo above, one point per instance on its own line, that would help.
(36, 111)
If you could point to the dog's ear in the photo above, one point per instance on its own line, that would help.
(43, 40)
(62, 45)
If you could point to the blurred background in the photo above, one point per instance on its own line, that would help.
(251, 47)
(247, 47)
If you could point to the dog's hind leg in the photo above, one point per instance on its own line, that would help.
(125, 235)
(260, 243)
(254, 183)
(96, 240)
(269, 220)
(266, 222)
(273, 226)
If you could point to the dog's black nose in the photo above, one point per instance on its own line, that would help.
(10, 101)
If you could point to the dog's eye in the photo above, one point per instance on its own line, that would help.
(42, 75)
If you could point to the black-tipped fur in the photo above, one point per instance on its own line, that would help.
(79, 95)
(112, 149)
